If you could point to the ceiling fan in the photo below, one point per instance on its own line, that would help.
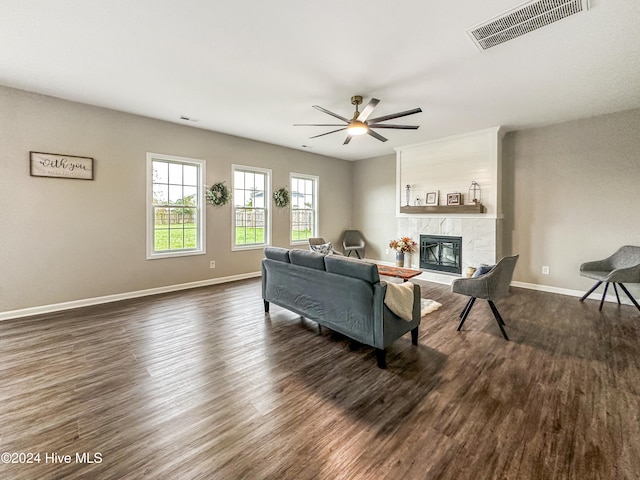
(360, 123)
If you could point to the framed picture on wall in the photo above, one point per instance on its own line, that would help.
(454, 199)
(432, 198)
(61, 166)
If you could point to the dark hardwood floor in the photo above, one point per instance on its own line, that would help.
(201, 384)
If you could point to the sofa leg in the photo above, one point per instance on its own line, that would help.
(266, 307)
(381, 358)
(414, 336)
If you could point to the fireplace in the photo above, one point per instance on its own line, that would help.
(441, 253)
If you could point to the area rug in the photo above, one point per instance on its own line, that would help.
(427, 306)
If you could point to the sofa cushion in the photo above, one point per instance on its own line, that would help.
(277, 253)
(352, 268)
(307, 259)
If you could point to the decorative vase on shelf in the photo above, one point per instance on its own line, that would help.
(399, 259)
(407, 260)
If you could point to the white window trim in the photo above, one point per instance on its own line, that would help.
(316, 222)
(202, 217)
(267, 208)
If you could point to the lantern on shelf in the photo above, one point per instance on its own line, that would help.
(475, 193)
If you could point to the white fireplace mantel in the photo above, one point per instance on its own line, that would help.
(449, 165)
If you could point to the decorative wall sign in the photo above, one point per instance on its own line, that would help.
(63, 166)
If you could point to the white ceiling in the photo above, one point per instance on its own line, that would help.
(254, 68)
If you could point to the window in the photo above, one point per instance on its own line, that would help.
(175, 216)
(251, 194)
(304, 207)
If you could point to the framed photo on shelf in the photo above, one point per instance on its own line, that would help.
(432, 199)
(454, 199)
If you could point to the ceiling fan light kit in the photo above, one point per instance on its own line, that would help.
(360, 123)
(357, 127)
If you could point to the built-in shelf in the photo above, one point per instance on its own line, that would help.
(479, 208)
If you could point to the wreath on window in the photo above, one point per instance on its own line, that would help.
(281, 197)
(218, 194)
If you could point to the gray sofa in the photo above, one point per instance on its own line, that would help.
(343, 294)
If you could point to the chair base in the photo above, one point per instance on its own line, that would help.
(353, 250)
(604, 294)
(496, 314)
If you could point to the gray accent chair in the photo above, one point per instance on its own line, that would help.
(322, 241)
(353, 241)
(622, 266)
(490, 286)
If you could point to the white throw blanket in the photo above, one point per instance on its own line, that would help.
(399, 299)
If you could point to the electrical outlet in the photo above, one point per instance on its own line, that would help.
(386, 251)
(212, 264)
(545, 270)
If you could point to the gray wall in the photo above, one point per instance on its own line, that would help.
(64, 240)
(570, 195)
(374, 206)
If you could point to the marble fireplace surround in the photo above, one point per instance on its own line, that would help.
(479, 244)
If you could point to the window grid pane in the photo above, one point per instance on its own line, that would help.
(175, 227)
(249, 195)
(303, 208)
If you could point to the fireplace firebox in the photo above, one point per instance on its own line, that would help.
(441, 253)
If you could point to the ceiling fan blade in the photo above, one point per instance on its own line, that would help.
(368, 110)
(317, 125)
(333, 131)
(376, 135)
(348, 139)
(401, 127)
(394, 115)
(330, 113)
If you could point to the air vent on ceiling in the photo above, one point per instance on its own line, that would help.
(523, 19)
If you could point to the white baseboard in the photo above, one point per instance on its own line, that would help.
(597, 295)
(446, 279)
(27, 312)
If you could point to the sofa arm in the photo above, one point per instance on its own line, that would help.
(388, 327)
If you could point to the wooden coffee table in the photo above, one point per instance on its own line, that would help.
(398, 272)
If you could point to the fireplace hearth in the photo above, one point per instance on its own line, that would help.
(441, 253)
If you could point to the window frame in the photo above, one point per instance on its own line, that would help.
(201, 249)
(267, 207)
(316, 206)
